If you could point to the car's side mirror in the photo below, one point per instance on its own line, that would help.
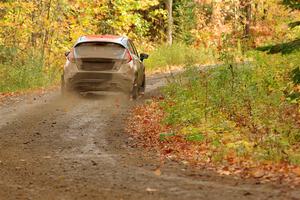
(67, 53)
(144, 56)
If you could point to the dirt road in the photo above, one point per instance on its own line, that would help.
(76, 148)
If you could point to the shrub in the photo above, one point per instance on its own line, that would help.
(247, 106)
(21, 71)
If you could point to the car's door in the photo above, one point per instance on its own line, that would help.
(139, 64)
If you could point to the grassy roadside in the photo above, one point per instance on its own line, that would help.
(236, 120)
(23, 71)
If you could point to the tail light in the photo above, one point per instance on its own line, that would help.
(128, 56)
(71, 57)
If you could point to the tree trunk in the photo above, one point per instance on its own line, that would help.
(169, 7)
(255, 14)
(46, 34)
(265, 11)
(217, 18)
(218, 22)
(236, 16)
(248, 11)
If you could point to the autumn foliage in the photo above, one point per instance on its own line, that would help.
(201, 151)
(236, 118)
(35, 34)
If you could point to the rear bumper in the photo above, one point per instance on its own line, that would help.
(100, 81)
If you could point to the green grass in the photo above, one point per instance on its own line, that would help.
(243, 109)
(25, 77)
(19, 71)
(178, 54)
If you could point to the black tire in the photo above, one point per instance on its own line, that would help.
(143, 86)
(135, 91)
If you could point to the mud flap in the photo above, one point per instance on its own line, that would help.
(135, 91)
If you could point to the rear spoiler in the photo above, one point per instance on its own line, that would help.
(84, 42)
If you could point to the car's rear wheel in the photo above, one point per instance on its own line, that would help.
(143, 86)
(135, 91)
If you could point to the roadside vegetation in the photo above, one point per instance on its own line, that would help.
(236, 119)
(25, 73)
(246, 111)
(241, 117)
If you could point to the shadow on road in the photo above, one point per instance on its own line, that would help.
(284, 48)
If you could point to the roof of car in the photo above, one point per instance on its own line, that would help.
(102, 38)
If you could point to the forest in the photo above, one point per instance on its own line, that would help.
(35, 33)
(246, 112)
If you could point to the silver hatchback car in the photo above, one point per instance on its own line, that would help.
(104, 63)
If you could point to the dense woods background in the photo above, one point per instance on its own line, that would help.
(37, 32)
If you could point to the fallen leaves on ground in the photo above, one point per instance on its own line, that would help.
(157, 172)
(151, 190)
(146, 127)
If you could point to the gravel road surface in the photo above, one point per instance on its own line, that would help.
(76, 148)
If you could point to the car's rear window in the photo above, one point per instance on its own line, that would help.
(100, 50)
